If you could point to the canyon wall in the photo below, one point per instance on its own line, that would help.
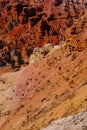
(26, 24)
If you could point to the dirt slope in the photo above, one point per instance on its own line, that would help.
(52, 88)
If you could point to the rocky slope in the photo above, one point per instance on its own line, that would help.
(53, 86)
(27, 24)
(76, 122)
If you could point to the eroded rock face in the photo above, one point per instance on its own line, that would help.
(28, 24)
(53, 87)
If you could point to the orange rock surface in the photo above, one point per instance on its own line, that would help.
(27, 24)
(55, 86)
